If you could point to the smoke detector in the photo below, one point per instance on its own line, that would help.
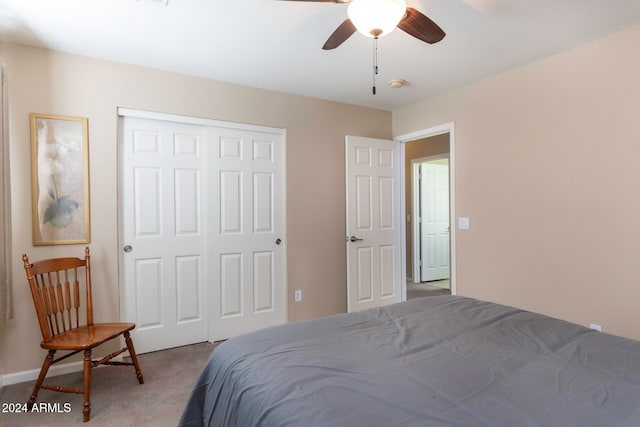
(397, 83)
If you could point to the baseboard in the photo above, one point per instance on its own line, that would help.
(32, 375)
(54, 371)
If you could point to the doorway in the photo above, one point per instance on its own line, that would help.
(430, 219)
(433, 143)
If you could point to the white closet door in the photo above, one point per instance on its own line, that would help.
(203, 208)
(162, 216)
(246, 240)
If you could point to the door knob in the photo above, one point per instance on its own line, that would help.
(278, 241)
(127, 248)
(354, 239)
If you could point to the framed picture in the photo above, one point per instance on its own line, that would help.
(59, 179)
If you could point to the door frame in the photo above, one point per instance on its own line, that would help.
(121, 113)
(415, 201)
(420, 134)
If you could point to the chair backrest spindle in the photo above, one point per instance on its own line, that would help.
(76, 297)
(67, 298)
(54, 301)
(87, 259)
(60, 300)
(49, 302)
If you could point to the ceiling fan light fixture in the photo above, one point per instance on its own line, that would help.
(376, 18)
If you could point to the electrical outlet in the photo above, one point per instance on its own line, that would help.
(596, 327)
(297, 295)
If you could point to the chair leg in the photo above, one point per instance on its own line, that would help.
(134, 357)
(48, 360)
(86, 406)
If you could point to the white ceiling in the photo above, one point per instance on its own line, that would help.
(276, 44)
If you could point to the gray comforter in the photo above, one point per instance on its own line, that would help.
(435, 361)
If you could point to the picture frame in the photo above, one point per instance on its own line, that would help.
(60, 179)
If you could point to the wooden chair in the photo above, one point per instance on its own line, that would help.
(55, 287)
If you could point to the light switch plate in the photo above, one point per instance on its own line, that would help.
(463, 223)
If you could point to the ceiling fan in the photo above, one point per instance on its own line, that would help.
(375, 18)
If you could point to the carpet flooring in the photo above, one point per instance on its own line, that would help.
(428, 289)
(116, 397)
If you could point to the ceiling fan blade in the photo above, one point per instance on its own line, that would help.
(342, 33)
(420, 26)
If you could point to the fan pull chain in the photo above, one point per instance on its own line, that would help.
(375, 62)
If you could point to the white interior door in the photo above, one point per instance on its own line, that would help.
(246, 244)
(165, 270)
(374, 240)
(434, 210)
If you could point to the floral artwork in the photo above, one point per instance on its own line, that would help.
(60, 179)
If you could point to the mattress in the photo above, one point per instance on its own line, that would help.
(433, 361)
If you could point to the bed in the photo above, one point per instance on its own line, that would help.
(433, 361)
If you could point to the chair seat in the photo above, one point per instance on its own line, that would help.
(86, 337)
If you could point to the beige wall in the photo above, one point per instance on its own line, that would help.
(47, 82)
(418, 149)
(547, 170)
